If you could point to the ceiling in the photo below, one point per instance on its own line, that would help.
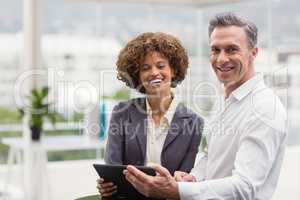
(190, 3)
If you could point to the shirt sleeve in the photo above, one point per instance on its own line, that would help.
(257, 152)
(199, 169)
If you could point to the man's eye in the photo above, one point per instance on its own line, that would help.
(214, 51)
(231, 50)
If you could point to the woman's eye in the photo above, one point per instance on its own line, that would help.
(144, 67)
(160, 66)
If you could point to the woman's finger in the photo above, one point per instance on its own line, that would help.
(106, 185)
(108, 194)
(100, 180)
(108, 189)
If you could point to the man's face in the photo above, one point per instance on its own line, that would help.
(230, 55)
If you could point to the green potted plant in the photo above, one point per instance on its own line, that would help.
(38, 110)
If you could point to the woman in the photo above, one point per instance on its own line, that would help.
(156, 128)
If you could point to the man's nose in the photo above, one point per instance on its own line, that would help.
(222, 57)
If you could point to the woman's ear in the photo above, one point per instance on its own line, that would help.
(172, 73)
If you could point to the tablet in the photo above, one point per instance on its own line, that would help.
(114, 173)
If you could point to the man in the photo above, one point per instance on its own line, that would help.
(246, 139)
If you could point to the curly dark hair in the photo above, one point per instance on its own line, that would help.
(133, 54)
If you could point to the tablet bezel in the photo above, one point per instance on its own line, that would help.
(114, 173)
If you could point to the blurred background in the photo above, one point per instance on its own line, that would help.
(79, 44)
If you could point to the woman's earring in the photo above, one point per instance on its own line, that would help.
(173, 83)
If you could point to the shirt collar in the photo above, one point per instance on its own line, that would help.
(247, 87)
(170, 112)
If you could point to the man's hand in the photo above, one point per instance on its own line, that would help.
(106, 189)
(184, 177)
(163, 185)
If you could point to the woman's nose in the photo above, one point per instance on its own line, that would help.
(154, 71)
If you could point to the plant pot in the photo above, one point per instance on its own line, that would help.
(35, 133)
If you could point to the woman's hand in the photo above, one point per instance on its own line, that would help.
(106, 189)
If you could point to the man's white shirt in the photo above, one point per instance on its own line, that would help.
(246, 142)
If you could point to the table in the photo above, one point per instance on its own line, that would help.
(57, 143)
(91, 197)
(35, 162)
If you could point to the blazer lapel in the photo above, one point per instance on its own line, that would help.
(139, 124)
(180, 118)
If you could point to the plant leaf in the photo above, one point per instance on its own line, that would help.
(35, 93)
(44, 92)
(21, 111)
(52, 118)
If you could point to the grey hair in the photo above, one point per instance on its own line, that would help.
(231, 19)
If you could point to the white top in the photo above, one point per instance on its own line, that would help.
(156, 135)
(246, 142)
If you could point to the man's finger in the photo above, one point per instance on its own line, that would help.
(131, 177)
(137, 184)
(161, 170)
(180, 172)
(178, 175)
(139, 175)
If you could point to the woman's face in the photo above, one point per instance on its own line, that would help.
(156, 74)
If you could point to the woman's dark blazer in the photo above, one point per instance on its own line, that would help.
(127, 136)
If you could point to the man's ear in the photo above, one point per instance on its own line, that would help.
(254, 52)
